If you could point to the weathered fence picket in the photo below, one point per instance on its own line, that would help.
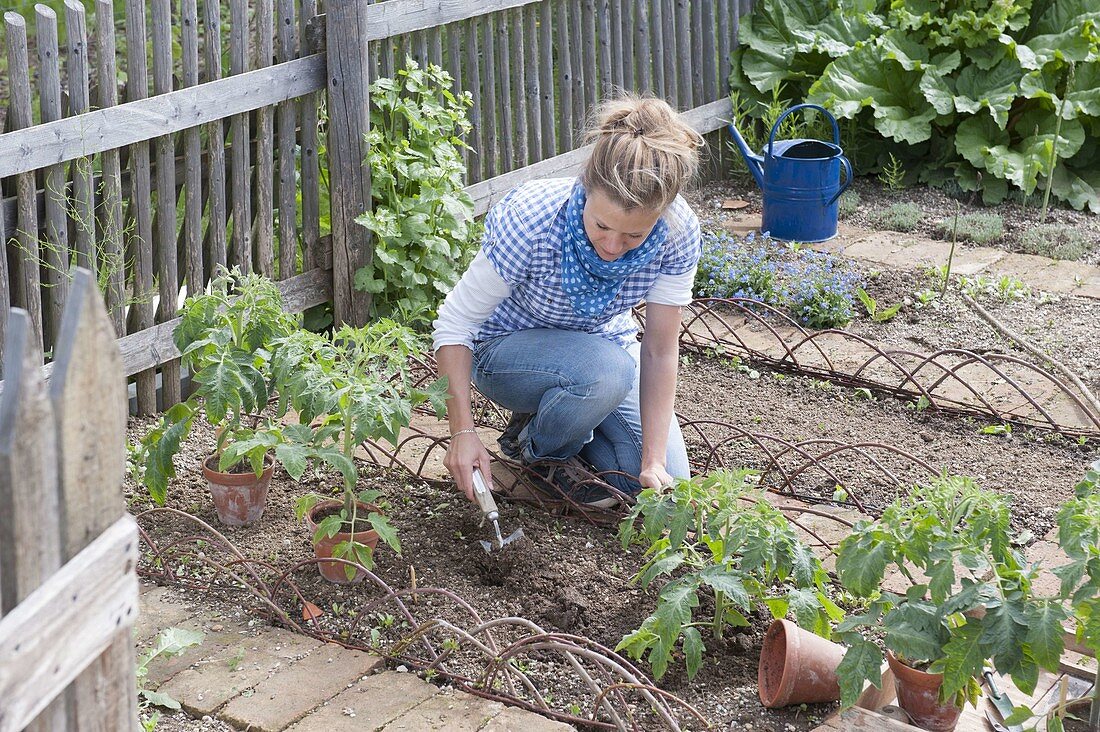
(65, 628)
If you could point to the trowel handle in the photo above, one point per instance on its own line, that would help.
(482, 493)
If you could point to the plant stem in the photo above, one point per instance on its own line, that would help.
(951, 256)
(1054, 146)
(719, 613)
(1094, 711)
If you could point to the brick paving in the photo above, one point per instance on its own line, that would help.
(262, 679)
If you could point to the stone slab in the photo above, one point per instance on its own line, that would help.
(1026, 267)
(453, 712)
(159, 610)
(369, 705)
(293, 692)
(209, 684)
(1090, 287)
(163, 668)
(1064, 277)
(971, 261)
(899, 251)
(513, 719)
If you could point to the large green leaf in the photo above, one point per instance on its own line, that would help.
(1044, 634)
(963, 659)
(860, 565)
(693, 650)
(861, 663)
(864, 78)
(913, 632)
(1021, 162)
(1066, 31)
(994, 89)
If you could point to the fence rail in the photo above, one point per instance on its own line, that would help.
(211, 147)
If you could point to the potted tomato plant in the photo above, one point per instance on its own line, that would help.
(348, 387)
(1079, 537)
(225, 336)
(970, 602)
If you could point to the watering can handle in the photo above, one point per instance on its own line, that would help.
(795, 108)
(847, 180)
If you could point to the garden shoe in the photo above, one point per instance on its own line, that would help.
(573, 480)
(509, 439)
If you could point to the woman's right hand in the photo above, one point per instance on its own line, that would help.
(465, 453)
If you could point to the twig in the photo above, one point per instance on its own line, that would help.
(1004, 330)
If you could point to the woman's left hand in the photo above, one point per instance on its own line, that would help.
(655, 477)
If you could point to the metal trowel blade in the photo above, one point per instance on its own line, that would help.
(488, 545)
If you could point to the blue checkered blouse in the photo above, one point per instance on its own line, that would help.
(523, 241)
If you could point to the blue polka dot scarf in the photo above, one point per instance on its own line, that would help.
(590, 282)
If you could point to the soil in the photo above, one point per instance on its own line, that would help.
(568, 576)
(1062, 326)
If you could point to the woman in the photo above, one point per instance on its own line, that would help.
(541, 319)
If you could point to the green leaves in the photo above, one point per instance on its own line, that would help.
(717, 533)
(861, 663)
(971, 599)
(962, 661)
(925, 72)
(864, 78)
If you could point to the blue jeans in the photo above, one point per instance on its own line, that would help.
(583, 391)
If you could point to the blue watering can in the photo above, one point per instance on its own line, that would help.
(801, 182)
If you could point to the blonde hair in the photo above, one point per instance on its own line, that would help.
(644, 154)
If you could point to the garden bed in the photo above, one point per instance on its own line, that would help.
(571, 577)
(575, 578)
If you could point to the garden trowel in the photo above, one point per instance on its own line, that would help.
(489, 507)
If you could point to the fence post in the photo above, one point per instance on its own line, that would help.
(349, 176)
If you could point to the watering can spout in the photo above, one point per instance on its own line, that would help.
(754, 162)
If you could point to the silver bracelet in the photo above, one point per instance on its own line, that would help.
(471, 431)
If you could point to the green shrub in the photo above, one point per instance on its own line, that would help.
(848, 203)
(422, 214)
(969, 91)
(977, 228)
(898, 217)
(1056, 241)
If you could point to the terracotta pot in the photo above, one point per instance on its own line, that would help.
(239, 498)
(337, 571)
(797, 667)
(919, 696)
(1076, 718)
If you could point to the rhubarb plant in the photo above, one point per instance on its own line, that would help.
(717, 534)
(970, 599)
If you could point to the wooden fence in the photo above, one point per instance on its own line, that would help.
(222, 153)
(68, 549)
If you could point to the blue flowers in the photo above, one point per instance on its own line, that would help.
(817, 289)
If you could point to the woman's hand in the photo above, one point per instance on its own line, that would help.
(655, 477)
(463, 455)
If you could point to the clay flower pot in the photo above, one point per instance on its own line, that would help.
(797, 667)
(919, 696)
(239, 498)
(1076, 718)
(337, 571)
